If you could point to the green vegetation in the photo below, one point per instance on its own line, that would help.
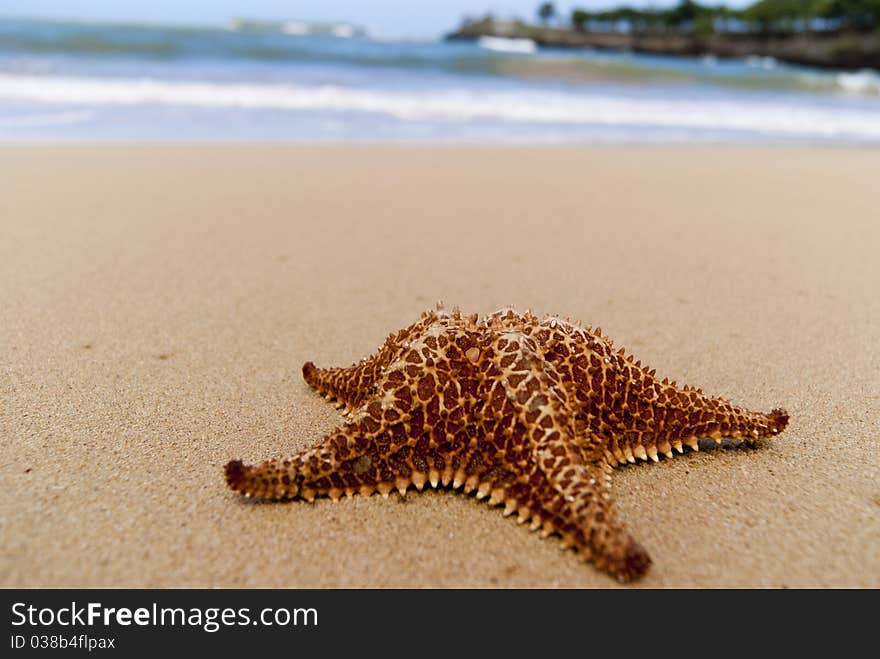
(776, 17)
(838, 34)
(546, 12)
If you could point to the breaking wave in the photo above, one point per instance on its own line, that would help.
(781, 117)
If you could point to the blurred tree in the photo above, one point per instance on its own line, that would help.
(579, 18)
(704, 25)
(546, 12)
(684, 13)
(764, 16)
(858, 14)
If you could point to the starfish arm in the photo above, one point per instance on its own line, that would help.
(352, 385)
(689, 414)
(578, 504)
(567, 474)
(370, 453)
(397, 437)
(660, 417)
(640, 416)
(348, 386)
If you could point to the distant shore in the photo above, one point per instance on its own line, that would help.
(837, 50)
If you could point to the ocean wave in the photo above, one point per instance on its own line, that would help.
(89, 44)
(271, 46)
(862, 82)
(859, 83)
(142, 41)
(770, 118)
(298, 28)
(761, 62)
(505, 45)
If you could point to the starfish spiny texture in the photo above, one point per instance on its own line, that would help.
(531, 413)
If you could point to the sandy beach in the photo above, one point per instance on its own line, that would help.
(158, 303)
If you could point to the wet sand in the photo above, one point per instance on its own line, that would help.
(159, 301)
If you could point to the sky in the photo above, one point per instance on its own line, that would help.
(390, 17)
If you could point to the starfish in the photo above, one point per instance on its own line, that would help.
(532, 413)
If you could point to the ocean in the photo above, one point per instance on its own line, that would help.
(66, 81)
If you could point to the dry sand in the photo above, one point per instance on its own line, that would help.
(158, 302)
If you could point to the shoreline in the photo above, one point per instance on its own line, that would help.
(161, 300)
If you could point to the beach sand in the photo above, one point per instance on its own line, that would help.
(158, 303)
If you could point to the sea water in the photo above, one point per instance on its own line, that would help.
(79, 81)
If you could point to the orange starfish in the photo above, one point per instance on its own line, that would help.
(531, 413)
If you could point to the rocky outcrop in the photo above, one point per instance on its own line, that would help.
(844, 50)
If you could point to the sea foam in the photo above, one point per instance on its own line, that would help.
(506, 45)
(865, 82)
(783, 117)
